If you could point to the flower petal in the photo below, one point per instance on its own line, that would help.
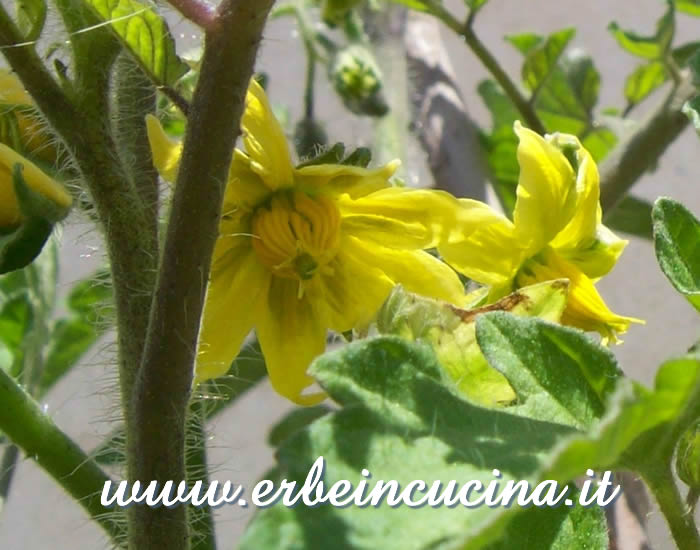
(291, 336)
(264, 140)
(416, 270)
(546, 194)
(245, 189)
(237, 284)
(599, 257)
(337, 179)
(483, 245)
(585, 308)
(166, 152)
(12, 90)
(399, 217)
(352, 291)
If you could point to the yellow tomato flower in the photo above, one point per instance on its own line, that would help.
(20, 122)
(303, 250)
(556, 233)
(10, 213)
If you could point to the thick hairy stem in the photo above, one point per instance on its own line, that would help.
(440, 117)
(156, 429)
(680, 520)
(135, 98)
(641, 149)
(22, 419)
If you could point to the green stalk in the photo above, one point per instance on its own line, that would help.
(677, 513)
(156, 423)
(23, 421)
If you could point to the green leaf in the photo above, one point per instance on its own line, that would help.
(641, 427)
(542, 60)
(400, 422)
(413, 4)
(583, 78)
(16, 319)
(682, 54)
(649, 47)
(296, 420)
(558, 373)
(644, 80)
(502, 111)
(691, 7)
(20, 248)
(451, 333)
(475, 5)
(677, 244)
(145, 34)
(70, 339)
(91, 298)
(525, 42)
(562, 528)
(31, 16)
(633, 216)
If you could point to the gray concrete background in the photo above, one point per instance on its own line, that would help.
(39, 516)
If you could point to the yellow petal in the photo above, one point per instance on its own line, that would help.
(245, 189)
(599, 257)
(12, 90)
(237, 285)
(339, 179)
(264, 140)
(35, 179)
(483, 245)
(580, 231)
(585, 309)
(291, 336)
(166, 152)
(398, 217)
(417, 271)
(546, 194)
(350, 293)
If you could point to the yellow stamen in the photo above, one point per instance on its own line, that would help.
(296, 235)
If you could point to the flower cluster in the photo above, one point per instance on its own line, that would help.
(303, 250)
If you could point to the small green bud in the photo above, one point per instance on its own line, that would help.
(357, 79)
(688, 456)
(309, 137)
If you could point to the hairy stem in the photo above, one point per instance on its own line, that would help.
(135, 98)
(7, 472)
(466, 31)
(635, 154)
(156, 428)
(22, 419)
(201, 519)
(677, 514)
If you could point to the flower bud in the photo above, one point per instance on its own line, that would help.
(357, 79)
(20, 125)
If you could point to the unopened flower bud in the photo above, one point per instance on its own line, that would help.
(357, 79)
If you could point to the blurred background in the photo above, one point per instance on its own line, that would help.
(84, 404)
